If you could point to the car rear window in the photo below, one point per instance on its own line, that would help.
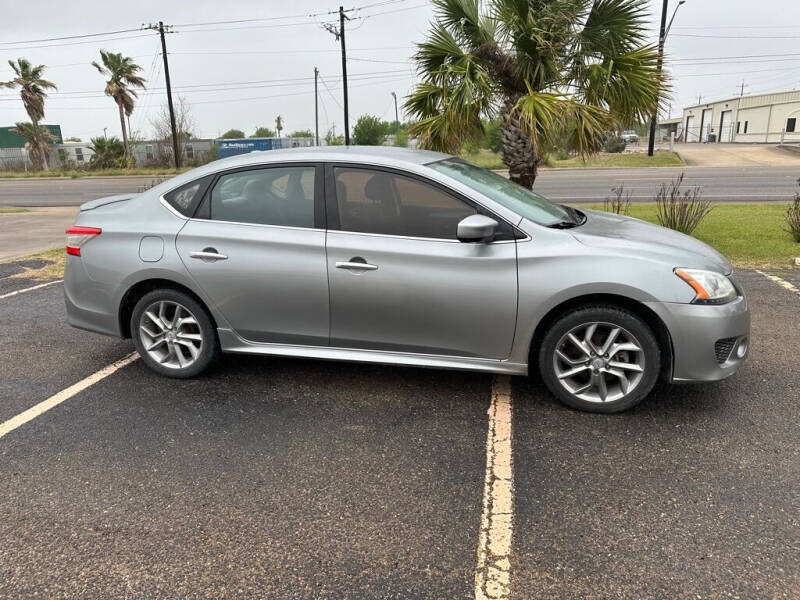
(186, 198)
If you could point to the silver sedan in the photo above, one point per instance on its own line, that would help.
(402, 257)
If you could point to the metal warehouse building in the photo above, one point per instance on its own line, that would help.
(756, 119)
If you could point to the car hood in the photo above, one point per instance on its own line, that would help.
(634, 236)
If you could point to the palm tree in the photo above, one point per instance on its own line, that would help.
(37, 137)
(32, 86)
(107, 153)
(122, 76)
(552, 69)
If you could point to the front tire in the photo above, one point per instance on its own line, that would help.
(173, 333)
(600, 359)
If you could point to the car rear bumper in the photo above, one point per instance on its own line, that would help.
(709, 343)
(89, 303)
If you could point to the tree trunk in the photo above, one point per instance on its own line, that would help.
(40, 145)
(124, 131)
(518, 152)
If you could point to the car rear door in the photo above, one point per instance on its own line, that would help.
(256, 246)
(401, 281)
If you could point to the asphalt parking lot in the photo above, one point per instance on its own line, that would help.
(278, 478)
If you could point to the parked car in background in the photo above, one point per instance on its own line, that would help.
(388, 255)
(630, 137)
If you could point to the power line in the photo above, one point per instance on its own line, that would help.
(69, 37)
(116, 39)
(739, 37)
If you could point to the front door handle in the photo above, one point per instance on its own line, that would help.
(209, 254)
(356, 266)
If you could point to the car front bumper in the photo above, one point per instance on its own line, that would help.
(701, 336)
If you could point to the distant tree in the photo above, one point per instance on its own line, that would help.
(109, 153)
(73, 139)
(123, 76)
(185, 125)
(263, 132)
(37, 140)
(279, 125)
(32, 86)
(369, 131)
(331, 139)
(301, 133)
(233, 134)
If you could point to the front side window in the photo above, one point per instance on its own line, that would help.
(380, 202)
(505, 192)
(269, 196)
(148, 152)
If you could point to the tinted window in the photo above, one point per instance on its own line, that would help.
(372, 201)
(185, 198)
(503, 191)
(271, 196)
(790, 125)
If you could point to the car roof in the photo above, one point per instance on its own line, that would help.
(388, 156)
(369, 154)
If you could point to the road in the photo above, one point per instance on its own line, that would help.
(281, 478)
(720, 184)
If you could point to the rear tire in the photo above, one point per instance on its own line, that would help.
(174, 334)
(600, 359)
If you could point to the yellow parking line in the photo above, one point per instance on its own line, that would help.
(65, 394)
(30, 289)
(493, 573)
(781, 282)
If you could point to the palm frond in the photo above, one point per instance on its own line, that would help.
(464, 20)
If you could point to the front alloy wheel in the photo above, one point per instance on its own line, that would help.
(600, 359)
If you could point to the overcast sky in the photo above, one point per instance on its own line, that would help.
(210, 64)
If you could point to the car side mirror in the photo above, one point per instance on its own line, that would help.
(476, 228)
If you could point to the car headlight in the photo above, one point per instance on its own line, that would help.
(710, 287)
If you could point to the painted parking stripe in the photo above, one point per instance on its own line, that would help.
(493, 573)
(780, 282)
(30, 289)
(64, 394)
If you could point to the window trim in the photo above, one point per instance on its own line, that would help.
(319, 192)
(332, 205)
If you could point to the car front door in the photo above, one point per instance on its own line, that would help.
(256, 246)
(400, 280)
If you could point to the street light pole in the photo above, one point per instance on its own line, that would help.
(396, 118)
(662, 37)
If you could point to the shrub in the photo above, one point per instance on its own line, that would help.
(401, 138)
(369, 131)
(613, 144)
(793, 217)
(620, 202)
(681, 211)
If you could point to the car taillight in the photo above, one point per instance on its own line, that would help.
(78, 236)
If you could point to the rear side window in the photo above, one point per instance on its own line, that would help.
(186, 198)
(268, 196)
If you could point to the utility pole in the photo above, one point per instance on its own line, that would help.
(741, 90)
(699, 99)
(339, 35)
(161, 30)
(651, 141)
(316, 108)
(396, 119)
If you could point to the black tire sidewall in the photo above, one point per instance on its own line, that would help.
(607, 314)
(210, 347)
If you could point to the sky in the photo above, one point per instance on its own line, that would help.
(242, 75)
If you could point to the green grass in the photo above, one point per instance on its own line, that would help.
(491, 160)
(75, 174)
(12, 209)
(750, 235)
(661, 158)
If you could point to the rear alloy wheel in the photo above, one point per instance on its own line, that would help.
(600, 359)
(173, 333)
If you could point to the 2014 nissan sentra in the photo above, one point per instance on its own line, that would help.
(402, 257)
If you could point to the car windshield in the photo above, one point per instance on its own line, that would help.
(505, 192)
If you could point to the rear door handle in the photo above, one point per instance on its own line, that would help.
(208, 254)
(358, 266)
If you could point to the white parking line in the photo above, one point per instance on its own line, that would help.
(30, 289)
(493, 574)
(781, 282)
(65, 394)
